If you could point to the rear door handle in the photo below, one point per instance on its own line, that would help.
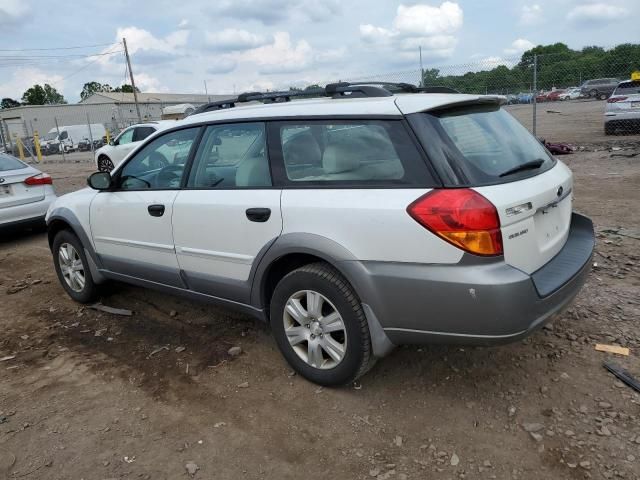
(156, 210)
(258, 214)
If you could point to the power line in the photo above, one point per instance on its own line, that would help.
(89, 64)
(55, 48)
(35, 57)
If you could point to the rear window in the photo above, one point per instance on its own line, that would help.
(7, 162)
(628, 88)
(480, 145)
(350, 152)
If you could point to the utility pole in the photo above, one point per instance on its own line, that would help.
(535, 92)
(205, 91)
(421, 84)
(133, 84)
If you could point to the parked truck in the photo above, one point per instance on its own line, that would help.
(68, 137)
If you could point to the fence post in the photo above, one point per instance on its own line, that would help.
(19, 145)
(36, 145)
(535, 92)
(2, 136)
(90, 132)
(64, 159)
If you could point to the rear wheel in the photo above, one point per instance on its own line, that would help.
(105, 164)
(320, 327)
(602, 96)
(72, 267)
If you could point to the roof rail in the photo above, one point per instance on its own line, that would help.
(333, 90)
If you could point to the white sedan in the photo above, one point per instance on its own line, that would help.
(112, 154)
(572, 93)
(25, 193)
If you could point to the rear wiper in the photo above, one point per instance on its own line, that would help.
(531, 165)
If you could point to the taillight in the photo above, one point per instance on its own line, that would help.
(462, 217)
(616, 99)
(39, 179)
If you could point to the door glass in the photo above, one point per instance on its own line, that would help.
(231, 156)
(160, 164)
(140, 133)
(125, 137)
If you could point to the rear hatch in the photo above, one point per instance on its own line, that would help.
(480, 146)
(13, 190)
(625, 98)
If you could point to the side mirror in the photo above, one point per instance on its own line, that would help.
(99, 180)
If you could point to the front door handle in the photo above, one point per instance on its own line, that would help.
(156, 210)
(258, 214)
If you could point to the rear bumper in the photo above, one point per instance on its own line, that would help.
(476, 301)
(28, 213)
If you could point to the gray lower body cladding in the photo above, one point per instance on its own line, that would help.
(481, 303)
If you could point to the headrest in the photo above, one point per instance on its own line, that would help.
(340, 158)
(303, 149)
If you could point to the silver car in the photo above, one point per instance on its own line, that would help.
(622, 113)
(25, 193)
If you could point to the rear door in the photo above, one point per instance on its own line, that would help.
(13, 190)
(483, 147)
(229, 212)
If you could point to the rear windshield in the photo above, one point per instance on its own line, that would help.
(628, 88)
(481, 145)
(7, 162)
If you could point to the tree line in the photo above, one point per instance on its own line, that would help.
(557, 66)
(48, 95)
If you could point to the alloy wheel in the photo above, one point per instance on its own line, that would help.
(71, 267)
(315, 329)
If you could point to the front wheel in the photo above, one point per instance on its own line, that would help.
(105, 164)
(72, 268)
(320, 327)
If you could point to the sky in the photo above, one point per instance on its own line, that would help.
(247, 45)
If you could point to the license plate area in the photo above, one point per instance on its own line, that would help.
(5, 190)
(551, 223)
(635, 104)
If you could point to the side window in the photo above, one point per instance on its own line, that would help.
(140, 133)
(160, 164)
(231, 156)
(125, 137)
(361, 152)
(64, 135)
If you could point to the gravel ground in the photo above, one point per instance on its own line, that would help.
(157, 395)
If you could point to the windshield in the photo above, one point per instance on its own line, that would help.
(7, 162)
(50, 136)
(482, 145)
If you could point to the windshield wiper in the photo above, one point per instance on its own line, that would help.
(531, 165)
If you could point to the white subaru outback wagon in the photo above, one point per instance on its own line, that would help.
(369, 218)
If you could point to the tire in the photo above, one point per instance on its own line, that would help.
(593, 93)
(322, 284)
(74, 274)
(602, 96)
(105, 164)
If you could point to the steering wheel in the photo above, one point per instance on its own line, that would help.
(169, 176)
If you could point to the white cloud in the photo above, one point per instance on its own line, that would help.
(232, 39)
(432, 28)
(148, 83)
(220, 65)
(531, 14)
(425, 20)
(12, 11)
(184, 24)
(596, 13)
(26, 77)
(271, 12)
(281, 56)
(518, 46)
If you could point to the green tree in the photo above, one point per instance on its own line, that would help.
(125, 88)
(90, 88)
(9, 103)
(42, 95)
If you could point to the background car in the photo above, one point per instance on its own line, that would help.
(600, 88)
(524, 97)
(112, 154)
(622, 112)
(571, 93)
(542, 97)
(555, 95)
(25, 193)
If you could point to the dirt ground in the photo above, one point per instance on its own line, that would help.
(90, 395)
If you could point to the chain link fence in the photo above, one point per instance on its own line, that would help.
(586, 97)
(72, 132)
